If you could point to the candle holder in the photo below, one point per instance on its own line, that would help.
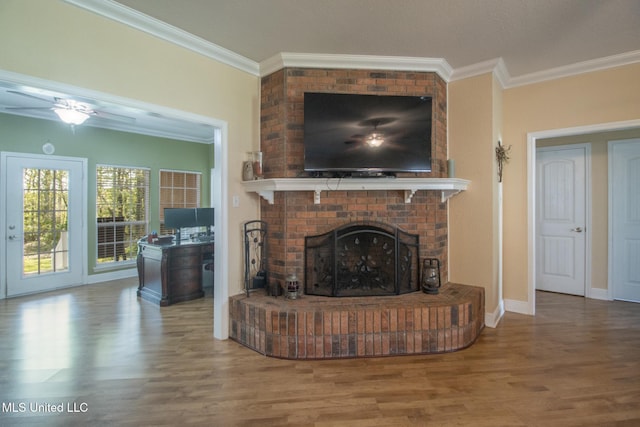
(257, 164)
(247, 167)
(430, 282)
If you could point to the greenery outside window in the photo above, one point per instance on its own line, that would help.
(178, 189)
(45, 199)
(122, 207)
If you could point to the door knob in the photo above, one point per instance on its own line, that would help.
(12, 237)
(577, 229)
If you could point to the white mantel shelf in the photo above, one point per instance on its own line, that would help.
(267, 187)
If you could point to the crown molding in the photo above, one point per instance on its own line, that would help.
(500, 71)
(495, 66)
(134, 19)
(130, 17)
(590, 66)
(397, 63)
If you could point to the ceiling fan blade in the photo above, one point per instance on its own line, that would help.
(28, 95)
(355, 139)
(374, 122)
(27, 108)
(112, 116)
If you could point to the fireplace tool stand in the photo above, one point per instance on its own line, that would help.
(255, 256)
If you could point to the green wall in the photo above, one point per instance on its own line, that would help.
(102, 146)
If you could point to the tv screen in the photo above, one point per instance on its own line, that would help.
(367, 133)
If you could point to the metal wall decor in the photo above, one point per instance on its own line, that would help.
(502, 157)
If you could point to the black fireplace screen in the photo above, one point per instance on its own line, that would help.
(362, 260)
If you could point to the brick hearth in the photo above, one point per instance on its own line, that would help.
(313, 327)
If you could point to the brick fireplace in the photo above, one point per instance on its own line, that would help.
(362, 259)
(293, 215)
(320, 326)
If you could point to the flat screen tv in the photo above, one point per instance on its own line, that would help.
(366, 134)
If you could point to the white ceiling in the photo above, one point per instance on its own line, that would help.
(529, 37)
(33, 100)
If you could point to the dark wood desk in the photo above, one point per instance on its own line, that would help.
(172, 273)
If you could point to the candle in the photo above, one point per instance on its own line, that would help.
(451, 168)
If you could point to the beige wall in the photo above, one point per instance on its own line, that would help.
(588, 99)
(473, 214)
(59, 42)
(480, 113)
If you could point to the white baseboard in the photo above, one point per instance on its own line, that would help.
(515, 306)
(523, 307)
(112, 275)
(492, 319)
(99, 278)
(599, 293)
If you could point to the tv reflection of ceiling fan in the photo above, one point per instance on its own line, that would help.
(375, 138)
(69, 110)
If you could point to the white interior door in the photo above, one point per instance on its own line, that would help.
(561, 194)
(624, 214)
(44, 203)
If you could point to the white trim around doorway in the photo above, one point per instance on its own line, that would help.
(219, 187)
(528, 307)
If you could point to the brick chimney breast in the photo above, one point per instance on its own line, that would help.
(293, 215)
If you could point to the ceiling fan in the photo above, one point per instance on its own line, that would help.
(375, 138)
(69, 110)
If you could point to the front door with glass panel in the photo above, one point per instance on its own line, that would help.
(44, 216)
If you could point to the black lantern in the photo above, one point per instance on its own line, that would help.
(430, 276)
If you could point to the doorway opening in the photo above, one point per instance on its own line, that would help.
(217, 131)
(598, 289)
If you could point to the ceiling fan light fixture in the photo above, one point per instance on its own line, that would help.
(71, 116)
(375, 140)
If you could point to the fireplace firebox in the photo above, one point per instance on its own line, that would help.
(362, 259)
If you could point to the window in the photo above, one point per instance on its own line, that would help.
(46, 214)
(122, 207)
(178, 190)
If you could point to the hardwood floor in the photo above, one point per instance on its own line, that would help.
(104, 357)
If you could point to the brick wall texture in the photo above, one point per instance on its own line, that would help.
(294, 215)
(325, 328)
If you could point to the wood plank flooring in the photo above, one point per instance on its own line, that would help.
(106, 358)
